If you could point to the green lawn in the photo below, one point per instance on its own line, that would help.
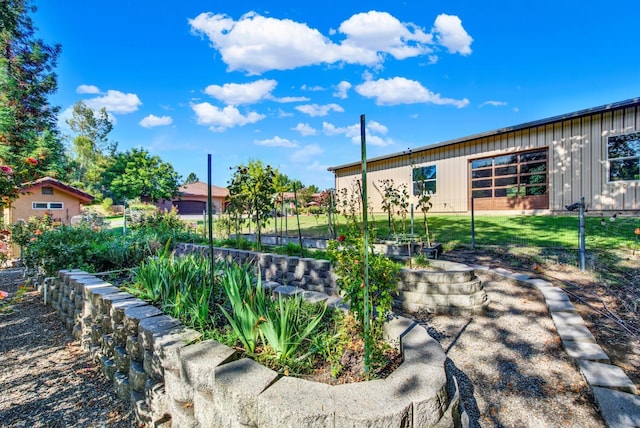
(515, 230)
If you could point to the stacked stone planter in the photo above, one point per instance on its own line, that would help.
(170, 380)
(443, 288)
(307, 273)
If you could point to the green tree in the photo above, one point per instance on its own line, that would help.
(137, 174)
(191, 178)
(251, 191)
(30, 146)
(92, 150)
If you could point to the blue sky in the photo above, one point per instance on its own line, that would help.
(286, 82)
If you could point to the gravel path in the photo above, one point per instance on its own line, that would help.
(509, 362)
(46, 380)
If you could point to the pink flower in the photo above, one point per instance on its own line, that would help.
(6, 169)
(3, 294)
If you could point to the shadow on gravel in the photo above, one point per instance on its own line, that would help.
(465, 386)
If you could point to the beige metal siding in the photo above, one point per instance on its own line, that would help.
(577, 150)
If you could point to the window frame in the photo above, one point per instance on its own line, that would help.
(488, 172)
(635, 156)
(433, 180)
(47, 190)
(47, 205)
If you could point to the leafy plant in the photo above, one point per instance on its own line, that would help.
(347, 259)
(248, 305)
(289, 324)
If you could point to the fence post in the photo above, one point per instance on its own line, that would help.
(473, 226)
(581, 236)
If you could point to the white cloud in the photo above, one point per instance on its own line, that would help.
(152, 120)
(256, 44)
(341, 90)
(315, 110)
(304, 129)
(377, 127)
(115, 102)
(291, 99)
(276, 142)
(245, 93)
(315, 88)
(373, 33)
(87, 89)
(399, 90)
(220, 119)
(493, 103)
(306, 153)
(353, 133)
(282, 113)
(450, 34)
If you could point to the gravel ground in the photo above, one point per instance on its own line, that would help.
(510, 365)
(509, 362)
(46, 380)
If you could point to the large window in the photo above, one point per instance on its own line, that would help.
(424, 180)
(624, 157)
(47, 205)
(511, 175)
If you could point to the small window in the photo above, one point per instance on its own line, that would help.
(55, 205)
(39, 205)
(624, 157)
(424, 180)
(47, 190)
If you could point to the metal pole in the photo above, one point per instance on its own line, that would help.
(473, 226)
(412, 236)
(210, 217)
(295, 197)
(365, 222)
(581, 236)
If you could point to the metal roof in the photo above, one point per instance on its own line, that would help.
(601, 109)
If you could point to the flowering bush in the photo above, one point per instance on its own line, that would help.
(11, 178)
(5, 237)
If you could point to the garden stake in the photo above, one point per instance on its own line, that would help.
(295, 197)
(365, 246)
(637, 232)
(210, 218)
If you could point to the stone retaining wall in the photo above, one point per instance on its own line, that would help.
(444, 288)
(153, 361)
(308, 273)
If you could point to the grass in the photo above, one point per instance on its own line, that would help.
(514, 230)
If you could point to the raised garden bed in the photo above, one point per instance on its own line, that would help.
(154, 363)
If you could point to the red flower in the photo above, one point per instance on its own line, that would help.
(6, 169)
(341, 238)
(32, 161)
(5, 232)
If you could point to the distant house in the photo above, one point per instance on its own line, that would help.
(192, 199)
(47, 195)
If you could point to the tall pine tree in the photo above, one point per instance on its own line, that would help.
(30, 144)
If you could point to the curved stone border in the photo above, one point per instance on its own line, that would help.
(616, 395)
(153, 362)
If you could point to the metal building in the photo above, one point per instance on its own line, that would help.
(538, 166)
